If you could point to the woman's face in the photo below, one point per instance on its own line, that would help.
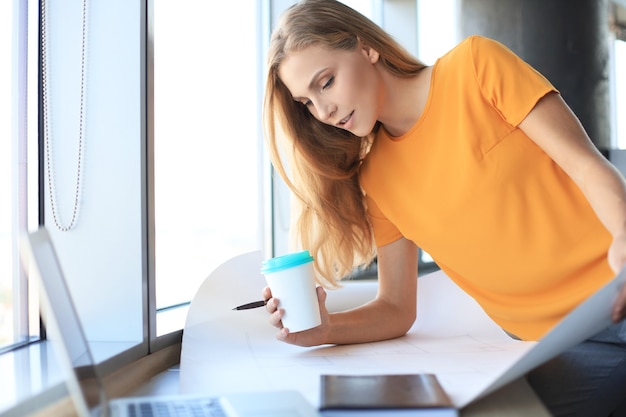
(340, 88)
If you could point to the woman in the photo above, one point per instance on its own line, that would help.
(477, 160)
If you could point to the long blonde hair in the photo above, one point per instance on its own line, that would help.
(324, 160)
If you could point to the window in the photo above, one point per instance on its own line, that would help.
(620, 92)
(437, 28)
(104, 255)
(207, 141)
(19, 318)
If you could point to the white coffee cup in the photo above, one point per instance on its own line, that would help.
(292, 281)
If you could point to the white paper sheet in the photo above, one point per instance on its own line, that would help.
(590, 317)
(227, 351)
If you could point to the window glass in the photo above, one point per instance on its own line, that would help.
(206, 140)
(365, 7)
(620, 93)
(436, 28)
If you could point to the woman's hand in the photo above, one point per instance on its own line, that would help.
(617, 260)
(389, 315)
(312, 337)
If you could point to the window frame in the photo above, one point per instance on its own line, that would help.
(27, 326)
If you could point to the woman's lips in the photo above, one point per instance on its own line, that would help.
(345, 122)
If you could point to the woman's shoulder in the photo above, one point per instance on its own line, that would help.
(498, 75)
(473, 47)
(485, 60)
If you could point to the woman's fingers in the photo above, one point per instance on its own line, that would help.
(276, 314)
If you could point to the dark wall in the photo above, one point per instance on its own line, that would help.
(566, 40)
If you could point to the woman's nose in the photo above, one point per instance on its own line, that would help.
(326, 111)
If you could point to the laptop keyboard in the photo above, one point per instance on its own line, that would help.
(186, 408)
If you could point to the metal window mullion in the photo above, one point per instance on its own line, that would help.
(19, 195)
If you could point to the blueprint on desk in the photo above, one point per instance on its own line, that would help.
(227, 351)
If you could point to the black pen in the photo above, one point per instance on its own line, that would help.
(255, 304)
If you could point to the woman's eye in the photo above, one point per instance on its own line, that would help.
(328, 83)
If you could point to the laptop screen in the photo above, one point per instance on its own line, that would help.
(64, 329)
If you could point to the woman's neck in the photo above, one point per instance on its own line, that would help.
(405, 100)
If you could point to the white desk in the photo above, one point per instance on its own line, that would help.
(225, 351)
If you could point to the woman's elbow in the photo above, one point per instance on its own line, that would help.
(404, 322)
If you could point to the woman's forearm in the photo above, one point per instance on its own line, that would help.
(376, 320)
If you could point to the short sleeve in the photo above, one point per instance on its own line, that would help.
(385, 231)
(510, 84)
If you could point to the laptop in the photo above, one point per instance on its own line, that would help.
(85, 385)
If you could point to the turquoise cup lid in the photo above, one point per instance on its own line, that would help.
(281, 263)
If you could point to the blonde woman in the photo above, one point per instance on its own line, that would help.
(476, 159)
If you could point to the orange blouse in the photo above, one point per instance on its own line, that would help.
(497, 214)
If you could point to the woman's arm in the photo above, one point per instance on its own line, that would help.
(553, 127)
(391, 314)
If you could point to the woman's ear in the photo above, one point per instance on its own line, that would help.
(369, 52)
